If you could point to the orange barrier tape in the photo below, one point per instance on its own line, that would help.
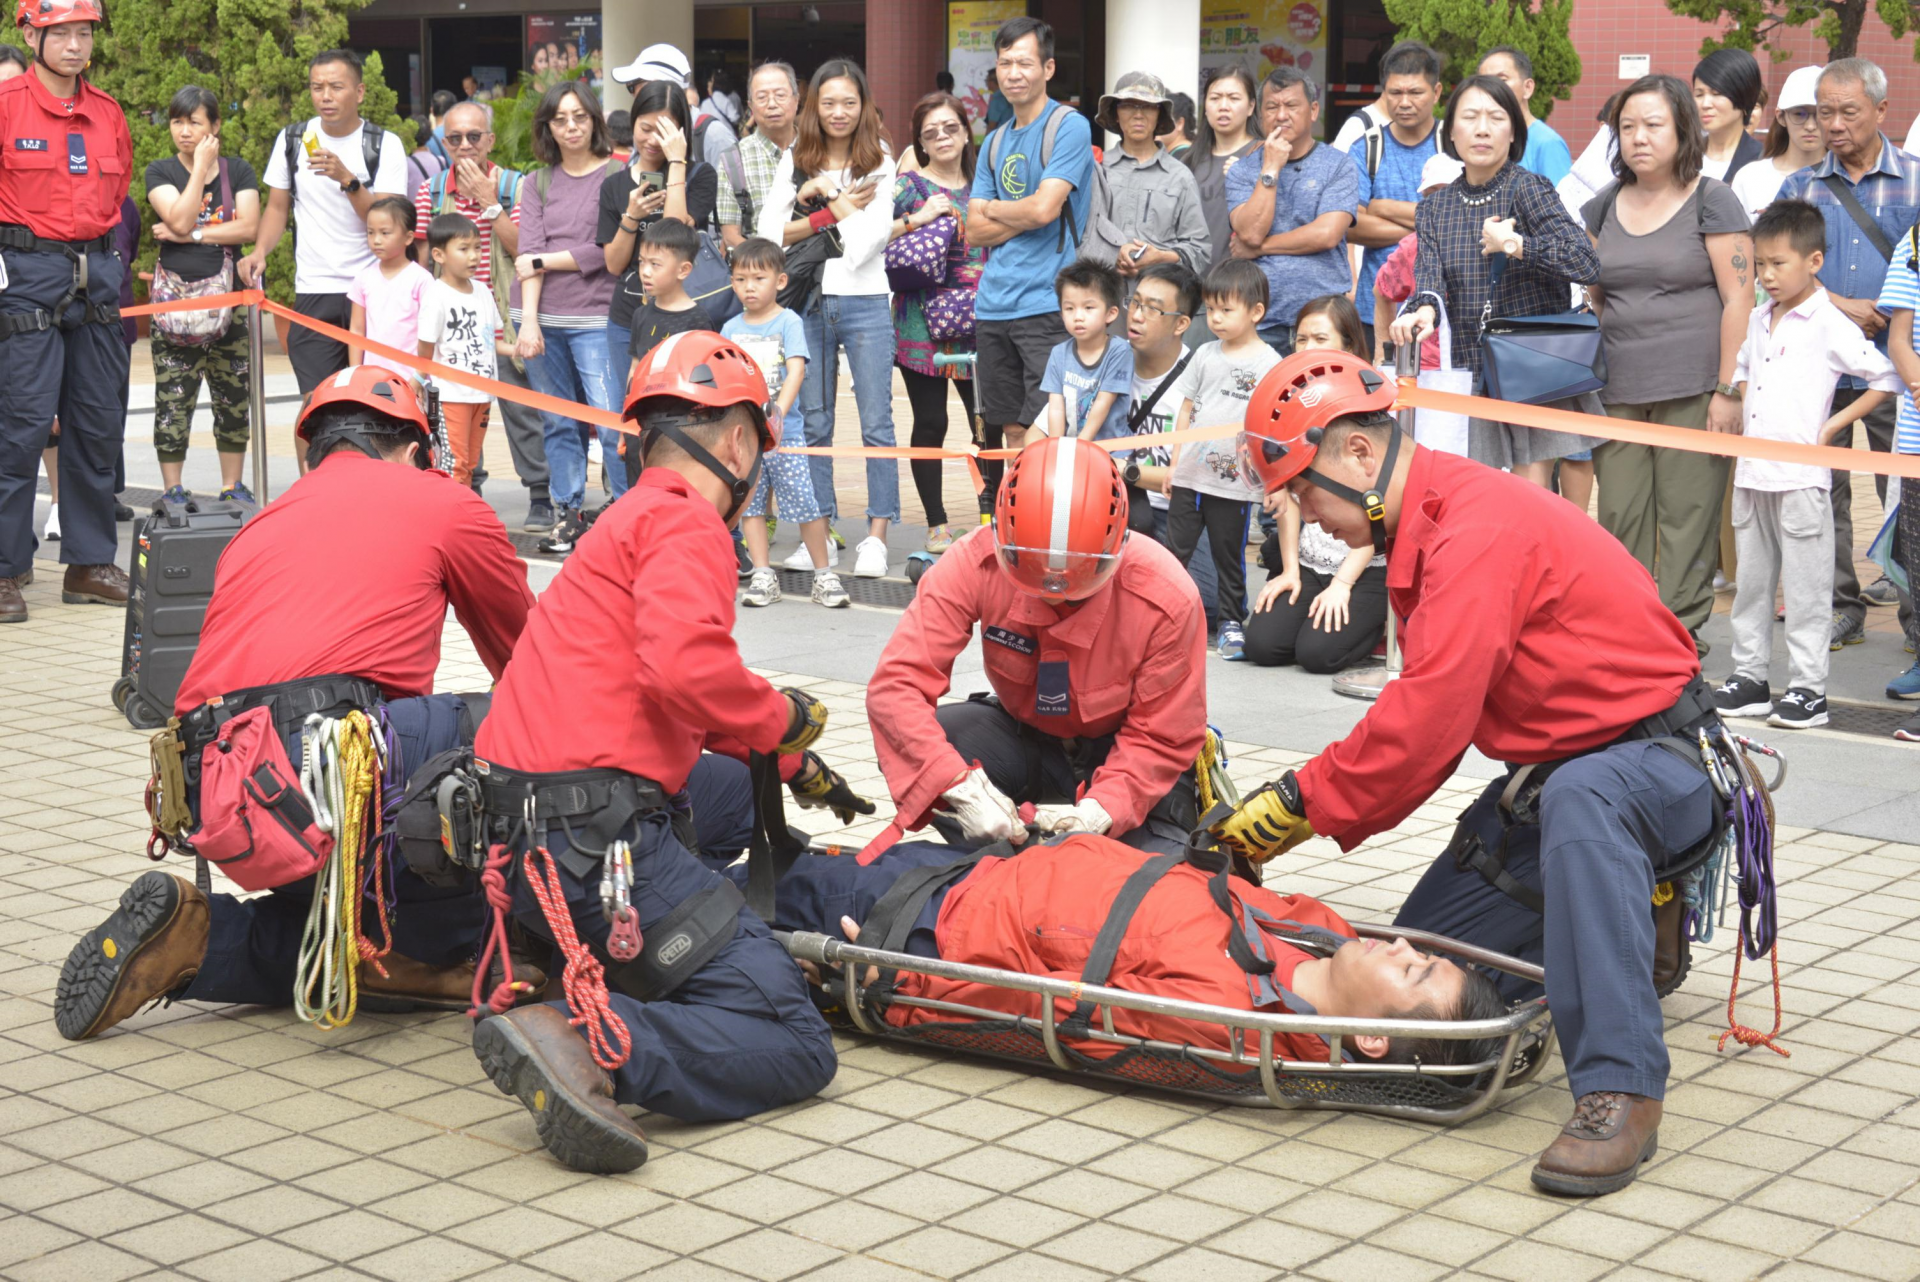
(1693, 440)
(213, 302)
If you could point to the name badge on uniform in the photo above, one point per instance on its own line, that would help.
(1052, 692)
(76, 153)
(1012, 640)
(29, 144)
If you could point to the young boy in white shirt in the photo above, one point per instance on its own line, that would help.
(1796, 351)
(460, 328)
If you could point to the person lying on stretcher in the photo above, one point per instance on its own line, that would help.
(1040, 912)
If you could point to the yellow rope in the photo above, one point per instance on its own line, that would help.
(326, 988)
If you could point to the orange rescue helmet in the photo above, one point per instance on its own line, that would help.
(692, 378)
(1288, 416)
(52, 13)
(360, 401)
(1061, 519)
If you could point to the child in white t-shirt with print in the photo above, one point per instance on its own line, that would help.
(460, 328)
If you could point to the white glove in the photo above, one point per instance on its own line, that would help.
(1089, 816)
(983, 812)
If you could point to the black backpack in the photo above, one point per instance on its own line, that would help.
(372, 138)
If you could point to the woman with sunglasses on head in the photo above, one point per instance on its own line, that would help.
(833, 183)
(1795, 142)
(943, 148)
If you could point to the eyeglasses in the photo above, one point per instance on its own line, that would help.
(1800, 117)
(1140, 304)
(471, 138)
(767, 97)
(933, 133)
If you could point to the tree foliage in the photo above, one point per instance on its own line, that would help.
(1463, 31)
(1754, 24)
(253, 55)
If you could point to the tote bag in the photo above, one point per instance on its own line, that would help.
(1443, 430)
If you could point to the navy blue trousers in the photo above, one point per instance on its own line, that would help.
(821, 889)
(1608, 821)
(740, 1035)
(79, 375)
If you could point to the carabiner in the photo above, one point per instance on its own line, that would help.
(1754, 745)
(1716, 769)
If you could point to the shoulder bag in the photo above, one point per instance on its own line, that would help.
(1533, 360)
(197, 328)
(807, 259)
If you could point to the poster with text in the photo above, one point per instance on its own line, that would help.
(1265, 34)
(565, 47)
(970, 28)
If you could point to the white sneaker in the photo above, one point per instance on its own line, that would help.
(827, 590)
(870, 558)
(764, 588)
(802, 560)
(52, 532)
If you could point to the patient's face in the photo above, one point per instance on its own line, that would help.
(1374, 979)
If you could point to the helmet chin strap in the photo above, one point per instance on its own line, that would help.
(1374, 501)
(739, 487)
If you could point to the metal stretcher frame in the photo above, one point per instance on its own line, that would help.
(1248, 1073)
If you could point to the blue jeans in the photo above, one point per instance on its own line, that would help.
(862, 324)
(574, 367)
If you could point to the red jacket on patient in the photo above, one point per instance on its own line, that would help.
(1038, 913)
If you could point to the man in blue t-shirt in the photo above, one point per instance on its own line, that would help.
(1547, 153)
(1390, 173)
(1032, 216)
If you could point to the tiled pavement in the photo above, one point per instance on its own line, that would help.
(239, 1144)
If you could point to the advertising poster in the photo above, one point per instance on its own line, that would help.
(1265, 34)
(565, 47)
(970, 28)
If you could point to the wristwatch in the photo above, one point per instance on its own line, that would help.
(1511, 245)
(352, 186)
(1728, 389)
(490, 213)
(197, 235)
(1131, 474)
(539, 264)
(1269, 181)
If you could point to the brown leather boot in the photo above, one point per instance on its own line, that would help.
(534, 1054)
(1601, 1149)
(411, 985)
(1672, 957)
(13, 606)
(95, 584)
(151, 946)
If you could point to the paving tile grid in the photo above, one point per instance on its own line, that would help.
(218, 1143)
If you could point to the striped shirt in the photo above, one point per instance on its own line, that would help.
(1901, 292)
(425, 210)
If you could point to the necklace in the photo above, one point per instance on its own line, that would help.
(1475, 202)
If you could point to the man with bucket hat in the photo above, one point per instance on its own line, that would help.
(1152, 213)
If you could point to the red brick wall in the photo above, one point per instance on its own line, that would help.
(1605, 29)
(905, 49)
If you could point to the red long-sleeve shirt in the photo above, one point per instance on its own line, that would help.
(628, 661)
(1136, 662)
(63, 173)
(1040, 913)
(351, 571)
(1530, 634)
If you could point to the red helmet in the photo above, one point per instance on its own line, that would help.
(1289, 413)
(1061, 519)
(702, 368)
(51, 13)
(359, 400)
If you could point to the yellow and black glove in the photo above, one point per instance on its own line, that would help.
(1269, 821)
(808, 722)
(819, 786)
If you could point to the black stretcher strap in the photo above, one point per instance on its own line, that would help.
(1113, 932)
(774, 846)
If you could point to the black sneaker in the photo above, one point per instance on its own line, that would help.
(566, 533)
(1799, 710)
(1881, 592)
(539, 515)
(1847, 630)
(1740, 696)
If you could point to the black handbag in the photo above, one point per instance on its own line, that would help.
(1535, 360)
(807, 260)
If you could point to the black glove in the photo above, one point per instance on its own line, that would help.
(819, 786)
(807, 722)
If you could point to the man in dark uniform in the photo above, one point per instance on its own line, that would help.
(65, 161)
(1532, 636)
(333, 597)
(627, 670)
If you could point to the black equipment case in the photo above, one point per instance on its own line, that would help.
(170, 581)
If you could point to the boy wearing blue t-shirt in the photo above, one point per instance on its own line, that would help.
(1029, 206)
(1089, 378)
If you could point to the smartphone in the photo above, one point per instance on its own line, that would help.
(650, 183)
(866, 182)
(1138, 254)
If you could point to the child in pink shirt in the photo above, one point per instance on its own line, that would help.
(386, 296)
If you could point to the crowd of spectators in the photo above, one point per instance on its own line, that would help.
(1056, 286)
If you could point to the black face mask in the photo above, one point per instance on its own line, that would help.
(739, 487)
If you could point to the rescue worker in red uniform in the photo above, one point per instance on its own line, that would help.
(65, 161)
(1045, 912)
(335, 596)
(627, 670)
(1095, 645)
(1531, 635)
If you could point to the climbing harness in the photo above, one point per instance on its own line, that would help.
(342, 761)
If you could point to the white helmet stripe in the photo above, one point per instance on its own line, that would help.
(1059, 532)
(661, 354)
